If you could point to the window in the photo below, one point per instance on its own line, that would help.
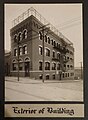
(58, 66)
(15, 52)
(53, 54)
(40, 65)
(47, 77)
(15, 38)
(40, 76)
(20, 66)
(68, 66)
(40, 35)
(14, 66)
(47, 52)
(53, 66)
(40, 50)
(45, 38)
(52, 42)
(25, 49)
(25, 34)
(68, 74)
(20, 50)
(57, 45)
(47, 66)
(53, 76)
(48, 40)
(20, 37)
(63, 75)
(58, 56)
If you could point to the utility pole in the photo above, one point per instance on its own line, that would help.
(81, 69)
(18, 57)
(43, 49)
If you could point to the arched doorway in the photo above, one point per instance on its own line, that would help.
(27, 66)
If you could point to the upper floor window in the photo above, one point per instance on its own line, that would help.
(25, 34)
(47, 52)
(20, 50)
(53, 66)
(52, 42)
(45, 38)
(40, 50)
(15, 52)
(40, 35)
(58, 56)
(20, 36)
(49, 40)
(40, 65)
(25, 49)
(15, 38)
(58, 66)
(53, 54)
(47, 66)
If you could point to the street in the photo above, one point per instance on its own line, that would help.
(51, 90)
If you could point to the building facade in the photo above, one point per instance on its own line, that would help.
(7, 63)
(33, 43)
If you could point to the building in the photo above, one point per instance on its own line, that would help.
(78, 73)
(7, 62)
(39, 46)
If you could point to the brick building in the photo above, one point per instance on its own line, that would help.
(30, 29)
(7, 62)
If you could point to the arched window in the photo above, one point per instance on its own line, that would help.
(25, 34)
(40, 35)
(27, 59)
(53, 66)
(15, 38)
(20, 36)
(25, 49)
(48, 40)
(45, 38)
(47, 66)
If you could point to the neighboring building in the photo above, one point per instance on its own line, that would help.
(7, 63)
(59, 51)
(78, 73)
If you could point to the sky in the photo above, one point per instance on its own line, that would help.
(67, 18)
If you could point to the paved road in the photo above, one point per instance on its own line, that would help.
(34, 90)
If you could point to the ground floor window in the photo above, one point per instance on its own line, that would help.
(63, 75)
(40, 76)
(53, 76)
(47, 77)
(14, 66)
(20, 66)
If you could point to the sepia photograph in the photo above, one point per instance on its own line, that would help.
(43, 52)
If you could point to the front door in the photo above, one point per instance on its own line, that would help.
(27, 69)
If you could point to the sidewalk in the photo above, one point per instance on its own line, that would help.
(32, 80)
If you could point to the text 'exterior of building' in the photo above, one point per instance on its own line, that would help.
(27, 41)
